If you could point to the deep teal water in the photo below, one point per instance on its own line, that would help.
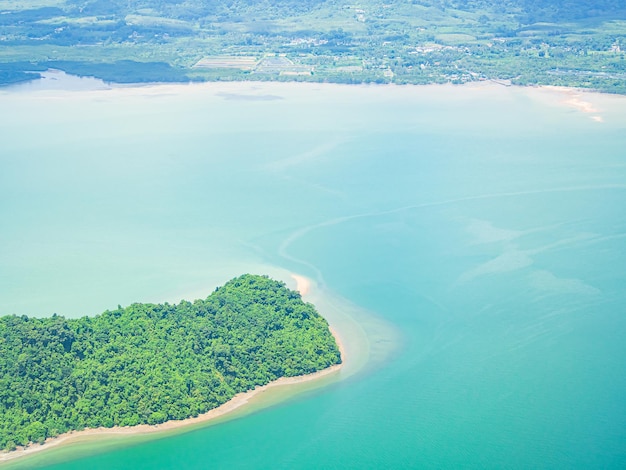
(486, 225)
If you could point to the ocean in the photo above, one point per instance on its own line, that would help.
(469, 242)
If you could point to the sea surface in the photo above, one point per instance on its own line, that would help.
(474, 235)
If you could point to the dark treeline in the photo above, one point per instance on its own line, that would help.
(151, 363)
(123, 71)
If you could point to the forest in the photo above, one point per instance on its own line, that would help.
(576, 43)
(150, 363)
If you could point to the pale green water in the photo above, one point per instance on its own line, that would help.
(488, 226)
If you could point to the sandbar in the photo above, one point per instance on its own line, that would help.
(303, 284)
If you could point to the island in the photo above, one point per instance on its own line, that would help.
(152, 363)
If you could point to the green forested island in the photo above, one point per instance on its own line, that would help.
(150, 363)
(558, 42)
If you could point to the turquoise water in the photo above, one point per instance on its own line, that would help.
(486, 226)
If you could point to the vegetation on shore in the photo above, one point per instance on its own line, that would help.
(146, 363)
(556, 42)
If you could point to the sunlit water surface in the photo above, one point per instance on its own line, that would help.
(485, 226)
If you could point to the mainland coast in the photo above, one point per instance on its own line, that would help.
(304, 287)
(56, 82)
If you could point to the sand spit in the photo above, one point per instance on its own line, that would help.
(303, 284)
(577, 99)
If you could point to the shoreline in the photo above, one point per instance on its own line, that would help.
(92, 84)
(303, 285)
(56, 78)
(231, 405)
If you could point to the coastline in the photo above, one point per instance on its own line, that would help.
(56, 80)
(303, 285)
(230, 90)
(233, 404)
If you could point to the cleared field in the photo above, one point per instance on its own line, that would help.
(157, 21)
(455, 38)
(227, 62)
(281, 65)
(11, 5)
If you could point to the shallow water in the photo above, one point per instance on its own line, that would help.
(485, 226)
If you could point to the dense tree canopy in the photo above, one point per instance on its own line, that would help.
(152, 363)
